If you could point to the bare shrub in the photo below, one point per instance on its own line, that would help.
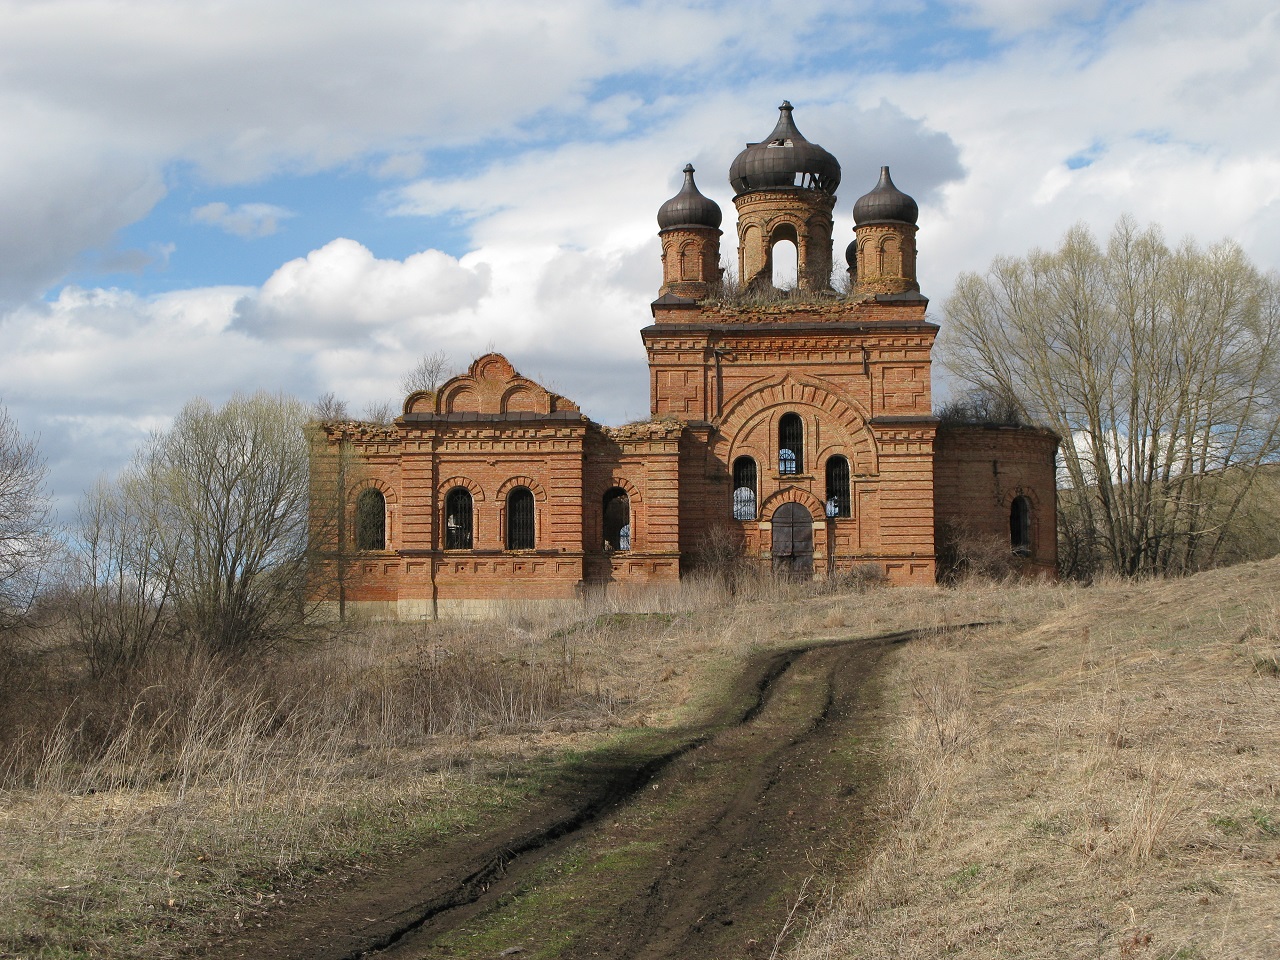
(964, 554)
(26, 541)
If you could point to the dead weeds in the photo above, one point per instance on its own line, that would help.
(1098, 778)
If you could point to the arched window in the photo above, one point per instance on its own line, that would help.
(520, 519)
(790, 444)
(744, 489)
(1020, 526)
(785, 258)
(617, 520)
(457, 519)
(838, 487)
(371, 520)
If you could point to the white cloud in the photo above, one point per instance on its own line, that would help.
(246, 220)
(592, 107)
(341, 292)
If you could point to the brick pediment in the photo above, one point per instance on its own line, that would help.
(490, 387)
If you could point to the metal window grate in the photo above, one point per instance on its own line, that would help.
(744, 489)
(520, 519)
(457, 523)
(371, 520)
(790, 444)
(838, 487)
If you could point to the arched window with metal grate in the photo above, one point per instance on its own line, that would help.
(744, 488)
(457, 519)
(790, 444)
(371, 520)
(838, 487)
(520, 520)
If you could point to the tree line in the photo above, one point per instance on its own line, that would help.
(1158, 367)
(211, 540)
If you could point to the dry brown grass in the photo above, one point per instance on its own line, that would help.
(138, 817)
(1098, 777)
(1097, 769)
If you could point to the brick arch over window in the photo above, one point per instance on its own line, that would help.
(635, 501)
(1032, 503)
(477, 494)
(794, 394)
(817, 509)
(539, 494)
(388, 494)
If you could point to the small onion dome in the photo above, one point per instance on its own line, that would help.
(851, 254)
(885, 202)
(784, 160)
(689, 208)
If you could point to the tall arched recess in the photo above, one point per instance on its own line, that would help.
(617, 519)
(458, 519)
(790, 444)
(1020, 526)
(745, 488)
(371, 520)
(521, 522)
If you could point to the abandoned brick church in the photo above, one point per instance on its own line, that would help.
(800, 427)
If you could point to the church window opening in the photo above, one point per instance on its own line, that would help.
(1020, 526)
(457, 519)
(371, 520)
(786, 261)
(744, 489)
(838, 487)
(790, 444)
(617, 520)
(520, 519)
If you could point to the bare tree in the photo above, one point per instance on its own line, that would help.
(380, 412)
(229, 490)
(329, 407)
(25, 535)
(431, 370)
(124, 577)
(1158, 367)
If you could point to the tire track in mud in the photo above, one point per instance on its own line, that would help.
(728, 818)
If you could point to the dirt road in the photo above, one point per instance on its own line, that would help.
(692, 843)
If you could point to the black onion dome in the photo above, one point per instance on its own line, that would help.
(689, 208)
(851, 254)
(885, 202)
(784, 160)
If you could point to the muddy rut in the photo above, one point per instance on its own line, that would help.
(693, 843)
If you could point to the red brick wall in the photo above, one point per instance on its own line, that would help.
(979, 471)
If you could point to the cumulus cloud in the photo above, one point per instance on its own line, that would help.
(246, 220)
(546, 174)
(341, 292)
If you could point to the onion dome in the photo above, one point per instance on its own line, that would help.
(784, 160)
(851, 254)
(689, 208)
(885, 202)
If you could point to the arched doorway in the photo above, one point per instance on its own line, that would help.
(793, 541)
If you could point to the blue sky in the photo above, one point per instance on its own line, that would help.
(202, 197)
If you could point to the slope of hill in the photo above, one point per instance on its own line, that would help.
(1093, 772)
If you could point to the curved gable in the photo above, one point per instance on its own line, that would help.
(490, 386)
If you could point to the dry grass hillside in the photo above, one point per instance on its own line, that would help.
(1099, 776)
(1096, 773)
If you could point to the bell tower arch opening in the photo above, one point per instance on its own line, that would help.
(784, 257)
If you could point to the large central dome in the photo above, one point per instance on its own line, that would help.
(784, 160)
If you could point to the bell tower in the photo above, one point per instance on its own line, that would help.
(883, 251)
(689, 225)
(784, 189)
